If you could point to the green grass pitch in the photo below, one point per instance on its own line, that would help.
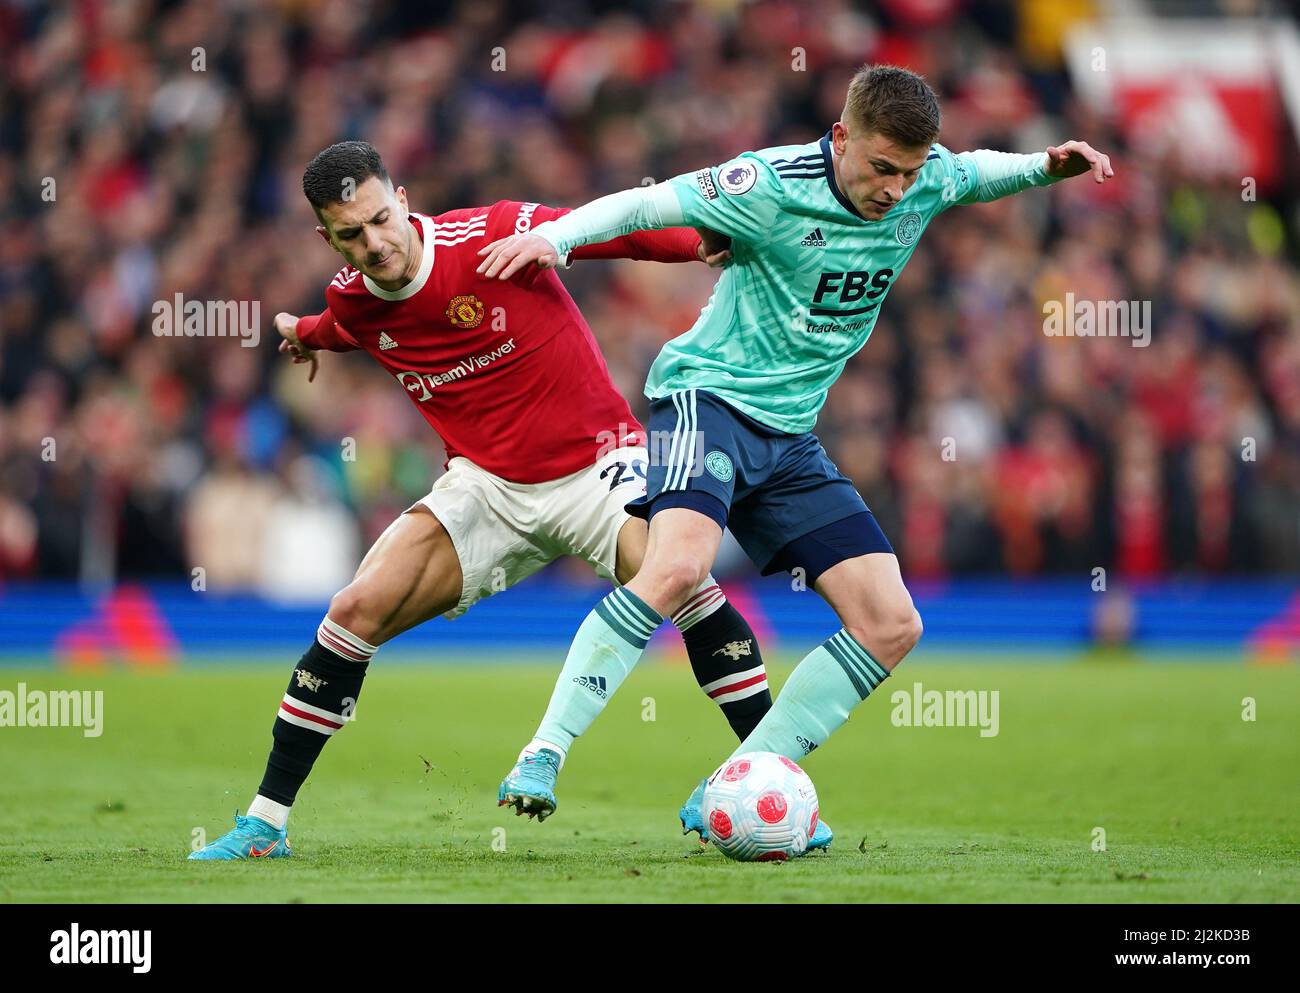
(1196, 803)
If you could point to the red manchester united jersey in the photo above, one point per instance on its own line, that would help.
(507, 372)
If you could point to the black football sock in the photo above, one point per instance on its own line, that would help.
(321, 698)
(725, 657)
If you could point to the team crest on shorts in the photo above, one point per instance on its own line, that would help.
(909, 228)
(465, 311)
(719, 464)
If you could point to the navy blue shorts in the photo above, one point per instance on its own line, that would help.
(781, 495)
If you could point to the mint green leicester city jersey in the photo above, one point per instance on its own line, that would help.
(808, 273)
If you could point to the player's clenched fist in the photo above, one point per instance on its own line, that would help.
(287, 326)
(507, 256)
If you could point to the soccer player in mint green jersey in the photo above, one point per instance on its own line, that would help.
(819, 232)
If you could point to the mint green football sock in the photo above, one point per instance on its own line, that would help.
(608, 644)
(817, 699)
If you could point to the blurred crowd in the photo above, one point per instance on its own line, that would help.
(149, 148)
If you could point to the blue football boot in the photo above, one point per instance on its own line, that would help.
(252, 838)
(822, 836)
(530, 786)
(692, 812)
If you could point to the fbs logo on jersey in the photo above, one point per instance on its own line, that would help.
(849, 288)
(465, 311)
(596, 684)
(385, 342)
(738, 177)
(815, 239)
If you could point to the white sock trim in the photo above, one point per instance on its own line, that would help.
(269, 811)
(707, 599)
(339, 640)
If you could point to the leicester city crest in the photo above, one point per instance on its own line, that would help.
(719, 464)
(909, 228)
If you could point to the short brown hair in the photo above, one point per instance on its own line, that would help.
(329, 174)
(894, 102)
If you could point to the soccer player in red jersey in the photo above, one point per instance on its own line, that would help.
(543, 453)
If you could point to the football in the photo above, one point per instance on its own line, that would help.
(760, 807)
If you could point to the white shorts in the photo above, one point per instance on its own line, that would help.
(504, 532)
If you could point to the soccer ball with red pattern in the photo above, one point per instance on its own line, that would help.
(760, 807)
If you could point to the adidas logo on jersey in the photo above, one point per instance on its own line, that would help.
(808, 746)
(594, 683)
(815, 239)
(385, 342)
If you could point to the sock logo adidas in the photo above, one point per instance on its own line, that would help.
(596, 684)
(735, 649)
(805, 744)
(308, 680)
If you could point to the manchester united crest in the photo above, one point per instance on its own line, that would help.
(465, 311)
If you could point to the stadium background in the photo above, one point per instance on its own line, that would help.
(1072, 454)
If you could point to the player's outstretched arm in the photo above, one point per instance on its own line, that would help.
(679, 244)
(666, 245)
(644, 208)
(984, 175)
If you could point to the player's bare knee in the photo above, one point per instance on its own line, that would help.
(675, 579)
(351, 609)
(889, 637)
(906, 633)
